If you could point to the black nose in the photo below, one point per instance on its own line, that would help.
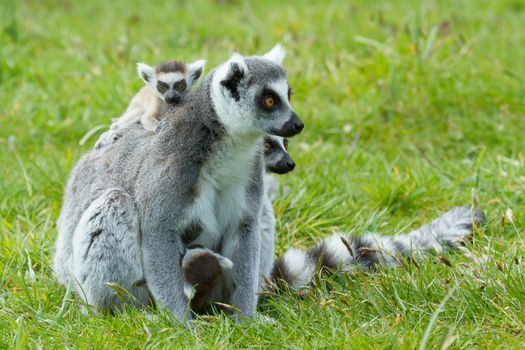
(292, 127)
(173, 99)
(290, 165)
(299, 126)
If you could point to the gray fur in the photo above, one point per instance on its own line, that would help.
(106, 247)
(274, 154)
(203, 167)
(297, 267)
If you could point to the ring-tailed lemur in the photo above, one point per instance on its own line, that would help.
(205, 269)
(130, 210)
(297, 267)
(339, 252)
(169, 82)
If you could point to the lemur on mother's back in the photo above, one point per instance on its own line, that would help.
(167, 82)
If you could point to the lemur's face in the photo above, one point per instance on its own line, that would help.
(252, 95)
(276, 156)
(171, 81)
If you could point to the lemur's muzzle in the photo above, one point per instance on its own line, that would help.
(172, 98)
(283, 166)
(292, 127)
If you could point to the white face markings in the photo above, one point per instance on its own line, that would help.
(281, 88)
(170, 78)
(279, 141)
(175, 82)
(237, 118)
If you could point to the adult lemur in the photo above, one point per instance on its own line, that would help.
(340, 252)
(131, 208)
(208, 273)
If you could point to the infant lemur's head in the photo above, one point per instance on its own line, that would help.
(276, 156)
(172, 80)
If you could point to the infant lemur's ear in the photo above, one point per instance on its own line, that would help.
(146, 72)
(195, 70)
(276, 54)
(235, 72)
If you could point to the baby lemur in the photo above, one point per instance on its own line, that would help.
(204, 269)
(169, 81)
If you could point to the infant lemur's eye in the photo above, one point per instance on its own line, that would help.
(285, 144)
(267, 147)
(269, 101)
(180, 86)
(162, 87)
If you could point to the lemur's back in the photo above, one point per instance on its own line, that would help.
(138, 161)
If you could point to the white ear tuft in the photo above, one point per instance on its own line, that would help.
(276, 54)
(195, 69)
(146, 72)
(239, 60)
(231, 74)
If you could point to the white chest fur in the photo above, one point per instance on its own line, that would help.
(222, 193)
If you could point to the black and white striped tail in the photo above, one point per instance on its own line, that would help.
(297, 267)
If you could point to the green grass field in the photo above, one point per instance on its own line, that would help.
(409, 106)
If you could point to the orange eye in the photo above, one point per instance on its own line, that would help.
(285, 144)
(267, 147)
(269, 102)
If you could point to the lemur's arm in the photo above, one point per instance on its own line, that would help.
(162, 252)
(150, 119)
(163, 249)
(136, 107)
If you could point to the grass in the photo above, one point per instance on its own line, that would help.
(408, 106)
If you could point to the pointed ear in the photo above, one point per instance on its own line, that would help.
(236, 72)
(195, 70)
(146, 72)
(276, 54)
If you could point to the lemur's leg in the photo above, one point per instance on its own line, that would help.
(244, 251)
(150, 119)
(106, 249)
(109, 137)
(267, 242)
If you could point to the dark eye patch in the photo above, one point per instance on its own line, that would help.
(267, 147)
(269, 94)
(180, 86)
(162, 87)
(285, 144)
